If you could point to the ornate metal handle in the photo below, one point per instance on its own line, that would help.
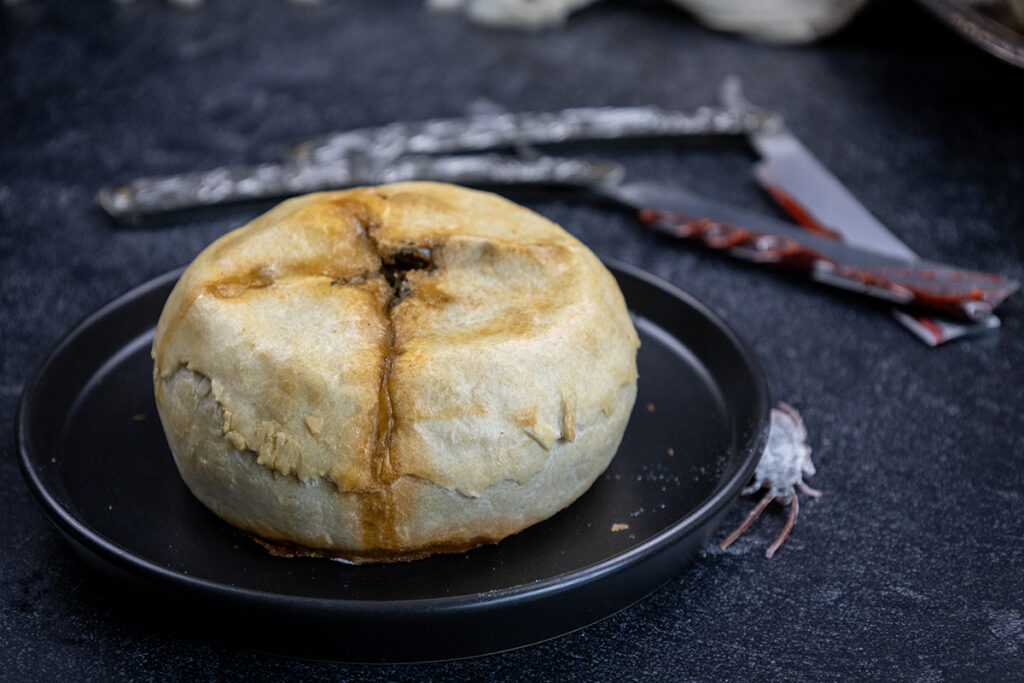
(493, 131)
(229, 184)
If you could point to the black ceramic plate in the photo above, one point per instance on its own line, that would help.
(93, 451)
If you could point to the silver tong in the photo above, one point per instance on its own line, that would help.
(239, 183)
(516, 130)
(407, 151)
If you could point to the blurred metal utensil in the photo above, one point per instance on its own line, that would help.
(398, 151)
(799, 182)
(507, 130)
(818, 201)
(238, 183)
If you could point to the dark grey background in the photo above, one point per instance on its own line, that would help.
(909, 567)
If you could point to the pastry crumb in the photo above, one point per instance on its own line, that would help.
(619, 527)
(236, 440)
(650, 407)
(314, 423)
(138, 417)
(671, 452)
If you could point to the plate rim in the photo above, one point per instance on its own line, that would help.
(97, 544)
(994, 37)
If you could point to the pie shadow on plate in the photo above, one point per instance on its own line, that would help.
(93, 451)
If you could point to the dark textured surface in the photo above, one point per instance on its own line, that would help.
(909, 566)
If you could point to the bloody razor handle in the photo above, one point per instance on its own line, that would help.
(937, 287)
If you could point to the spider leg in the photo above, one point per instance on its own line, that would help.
(754, 514)
(813, 493)
(794, 508)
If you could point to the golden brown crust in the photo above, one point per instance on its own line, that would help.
(394, 370)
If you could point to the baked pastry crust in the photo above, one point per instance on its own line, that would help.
(384, 373)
